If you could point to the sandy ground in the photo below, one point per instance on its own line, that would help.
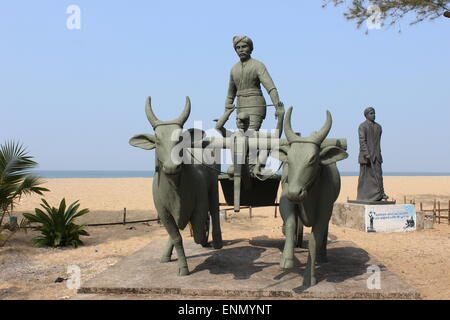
(421, 258)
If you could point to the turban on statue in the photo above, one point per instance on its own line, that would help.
(367, 110)
(237, 39)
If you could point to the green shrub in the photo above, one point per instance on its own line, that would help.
(58, 226)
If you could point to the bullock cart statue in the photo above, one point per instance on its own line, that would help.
(185, 193)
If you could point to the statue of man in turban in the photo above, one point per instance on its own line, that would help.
(370, 182)
(246, 78)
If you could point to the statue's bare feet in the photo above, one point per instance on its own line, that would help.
(256, 170)
(230, 171)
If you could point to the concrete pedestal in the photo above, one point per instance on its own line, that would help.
(247, 268)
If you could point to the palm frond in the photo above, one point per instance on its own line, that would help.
(16, 179)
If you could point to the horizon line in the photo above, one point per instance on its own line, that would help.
(140, 170)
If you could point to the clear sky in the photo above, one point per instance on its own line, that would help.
(75, 97)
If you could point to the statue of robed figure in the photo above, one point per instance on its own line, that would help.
(370, 182)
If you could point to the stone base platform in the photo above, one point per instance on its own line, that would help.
(246, 269)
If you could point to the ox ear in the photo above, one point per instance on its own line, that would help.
(280, 153)
(143, 141)
(332, 154)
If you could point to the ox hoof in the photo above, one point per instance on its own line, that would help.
(165, 259)
(308, 282)
(206, 245)
(287, 263)
(183, 271)
(217, 244)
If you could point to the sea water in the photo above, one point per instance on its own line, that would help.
(149, 174)
(94, 174)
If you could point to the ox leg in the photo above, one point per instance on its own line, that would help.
(167, 253)
(289, 213)
(322, 250)
(309, 278)
(299, 242)
(315, 242)
(215, 217)
(176, 241)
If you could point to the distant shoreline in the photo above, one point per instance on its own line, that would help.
(67, 174)
(64, 174)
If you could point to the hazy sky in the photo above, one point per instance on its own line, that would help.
(75, 97)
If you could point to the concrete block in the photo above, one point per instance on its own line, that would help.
(349, 215)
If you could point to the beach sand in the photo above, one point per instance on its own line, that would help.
(421, 258)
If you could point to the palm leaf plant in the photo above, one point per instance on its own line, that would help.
(57, 225)
(16, 180)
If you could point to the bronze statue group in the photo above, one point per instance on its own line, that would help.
(185, 193)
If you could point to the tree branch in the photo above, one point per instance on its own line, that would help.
(394, 10)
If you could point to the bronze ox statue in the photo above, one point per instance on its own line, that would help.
(182, 193)
(311, 184)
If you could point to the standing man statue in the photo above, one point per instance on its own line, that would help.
(370, 182)
(246, 77)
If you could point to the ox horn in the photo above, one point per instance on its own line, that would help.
(290, 134)
(185, 114)
(149, 112)
(154, 121)
(320, 135)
